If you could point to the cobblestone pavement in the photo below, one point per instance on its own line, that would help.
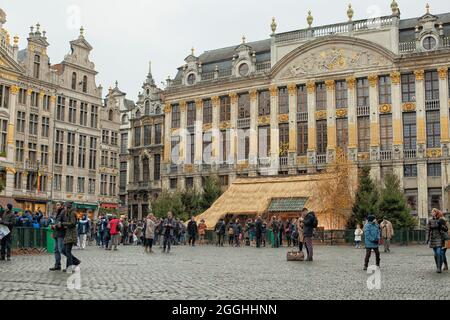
(226, 273)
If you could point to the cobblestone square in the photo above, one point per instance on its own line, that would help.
(209, 272)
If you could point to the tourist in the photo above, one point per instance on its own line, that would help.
(114, 231)
(58, 235)
(219, 229)
(237, 232)
(358, 236)
(202, 231)
(231, 233)
(280, 231)
(169, 225)
(125, 231)
(139, 233)
(445, 247)
(437, 231)
(8, 220)
(149, 233)
(192, 231)
(288, 232)
(294, 234)
(387, 232)
(372, 241)
(309, 223)
(69, 222)
(275, 226)
(101, 227)
(258, 231)
(264, 233)
(251, 231)
(83, 228)
(159, 232)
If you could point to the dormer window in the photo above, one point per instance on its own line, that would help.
(147, 108)
(37, 66)
(74, 81)
(243, 70)
(429, 43)
(191, 79)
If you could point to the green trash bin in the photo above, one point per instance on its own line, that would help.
(50, 241)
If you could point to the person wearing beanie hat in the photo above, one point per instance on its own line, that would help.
(7, 219)
(372, 240)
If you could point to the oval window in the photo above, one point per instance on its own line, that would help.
(191, 79)
(243, 70)
(429, 43)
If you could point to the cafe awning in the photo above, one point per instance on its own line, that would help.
(85, 206)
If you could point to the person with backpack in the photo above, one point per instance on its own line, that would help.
(219, 229)
(372, 236)
(309, 223)
(83, 228)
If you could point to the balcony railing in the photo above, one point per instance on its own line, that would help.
(264, 162)
(302, 116)
(432, 104)
(283, 161)
(263, 66)
(174, 169)
(363, 111)
(446, 42)
(406, 47)
(225, 72)
(385, 155)
(243, 123)
(409, 154)
(321, 158)
(224, 166)
(207, 75)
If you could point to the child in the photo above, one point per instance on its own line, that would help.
(358, 235)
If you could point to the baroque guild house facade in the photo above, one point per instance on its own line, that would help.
(378, 89)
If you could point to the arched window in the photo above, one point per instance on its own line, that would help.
(125, 119)
(74, 81)
(37, 66)
(147, 107)
(111, 115)
(158, 110)
(138, 114)
(85, 80)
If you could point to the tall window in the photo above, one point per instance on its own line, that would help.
(158, 133)
(74, 81)
(92, 153)
(431, 85)
(46, 103)
(147, 108)
(61, 108)
(302, 138)
(32, 152)
(112, 186)
(207, 111)
(123, 176)
(124, 143)
(114, 138)
(34, 101)
(176, 116)
(264, 141)
(136, 167)
(147, 135)
(18, 180)
(284, 139)
(322, 142)
(104, 158)
(433, 129)
(224, 146)
(362, 92)
(59, 147)
(70, 149)
(384, 87)
(341, 94)
(157, 168)
(3, 136)
(83, 114)
(244, 106)
(145, 169)
(283, 100)
(72, 111)
(82, 152)
(103, 184)
(409, 131)
(21, 121)
(44, 155)
(94, 116)
(191, 114)
(22, 97)
(4, 96)
(137, 136)
(244, 145)
(207, 147)
(410, 170)
(91, 186)
(408, 87)
(264, 103)
(225, 108)
(321, 96)
(81, 184)
(36, 66)
(342, 133)
(85, 83)
(19, 150)
(386, 132)
(34, 124)
(57, 182)
(302, 99)
(434, 170)
(190, 152)
(69, 183)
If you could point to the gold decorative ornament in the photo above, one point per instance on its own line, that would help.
(350, 12)
(53, 99)
(41, 94)
(14, 89)
(253, 95)
(373, 80)
(215, 101)
(409, 107)
(443, 73)
(183, 106)
(394, 7)
(167, 108)
(273, 25)
(330, 85)
(420, 74)
(10, 170)
(386, 108)
(302, 160)
(395, 77)
(292, 89)
(351, 82)
(233, 98)
(434, 153)
(283, 118)
(309, 19)
(207, 126)
(242, 166)
(273, 91)
(341, 113)
(225, 125)
(199, 104)
(311, 86)
(320, 115)
(364, 156)
(263, 120)
(188, 168)
(29, 92)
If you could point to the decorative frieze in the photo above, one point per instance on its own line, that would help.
(225, 125)
(282, 118)
(409, 107)
(320, 115)
(434, 153)
(263, 120)
(386, 108)
(341, 113)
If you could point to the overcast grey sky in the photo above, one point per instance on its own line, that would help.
(127, 34)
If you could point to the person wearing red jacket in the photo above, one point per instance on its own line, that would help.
(114, 230)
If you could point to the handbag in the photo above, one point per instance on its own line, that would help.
(295, 256)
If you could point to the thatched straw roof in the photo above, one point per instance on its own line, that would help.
(252, 196)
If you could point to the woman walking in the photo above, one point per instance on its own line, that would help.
(149, 233)
(437, 235)
(300, 233)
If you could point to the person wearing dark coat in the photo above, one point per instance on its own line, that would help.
(69, 222)
(237, 230)
(58, 234)
(275, 230)
(309, 221)
(219, 229)
(168, 225)
(436, 231)
(8, 219)
(192, 231)
(258, 231)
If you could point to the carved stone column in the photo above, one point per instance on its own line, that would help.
(374, 118)
(183, 133)
(397, 121)
(215, 154)
(311, 87)
(253, 150)
(292, 89)
(420, 113)
(274, 131)
(167, 133)
(352, 120)
(233, 128)
(331, 120)
(198, 146)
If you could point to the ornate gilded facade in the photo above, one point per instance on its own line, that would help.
(376, 88)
